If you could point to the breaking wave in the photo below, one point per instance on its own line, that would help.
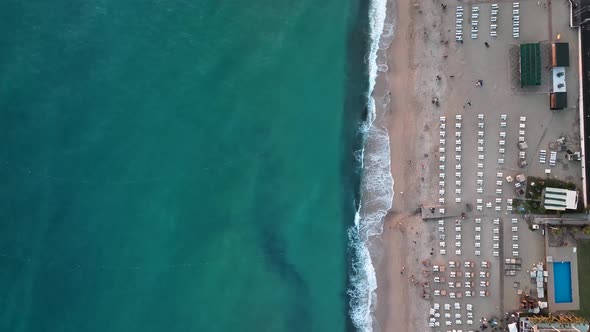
(377, 181)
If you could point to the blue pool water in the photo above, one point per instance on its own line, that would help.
(562, 282)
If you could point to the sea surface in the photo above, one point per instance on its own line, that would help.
(180, 165)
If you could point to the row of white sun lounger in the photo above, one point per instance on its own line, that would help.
(480, 144)
(553, 158)
(442, 159)
(459, 24)
(494, 20)
(447, 307)
(474, 22)
(515, 20)
(514, 222)
(467, 293)
(502, 141)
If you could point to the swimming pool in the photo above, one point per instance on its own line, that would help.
(562, 282)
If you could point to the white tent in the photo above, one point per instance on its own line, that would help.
(512, 327)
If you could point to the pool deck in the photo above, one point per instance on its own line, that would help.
(562, 254)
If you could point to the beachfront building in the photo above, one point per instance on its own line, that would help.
(580, 20)
(531, 324)
(560, 199)
(559, 61)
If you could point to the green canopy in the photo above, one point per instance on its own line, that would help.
(530, 64)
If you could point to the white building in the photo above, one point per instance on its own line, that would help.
(560, 199)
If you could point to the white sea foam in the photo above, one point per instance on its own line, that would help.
(377, 13)
(377, 181)
(376, 201)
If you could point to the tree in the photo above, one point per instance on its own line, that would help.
(556, 230)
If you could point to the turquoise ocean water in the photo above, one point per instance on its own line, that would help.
(178, 165)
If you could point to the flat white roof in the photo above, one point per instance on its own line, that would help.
(558, 79)
(560, 199)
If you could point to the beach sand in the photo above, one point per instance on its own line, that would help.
(411, 78)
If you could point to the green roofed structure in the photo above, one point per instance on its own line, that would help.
(530, 64)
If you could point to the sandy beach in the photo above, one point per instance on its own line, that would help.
(399, 298)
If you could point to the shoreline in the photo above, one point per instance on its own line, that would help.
(413, 64)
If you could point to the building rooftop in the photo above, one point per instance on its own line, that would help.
(580, 12)
(560, 199)
(560, 54)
